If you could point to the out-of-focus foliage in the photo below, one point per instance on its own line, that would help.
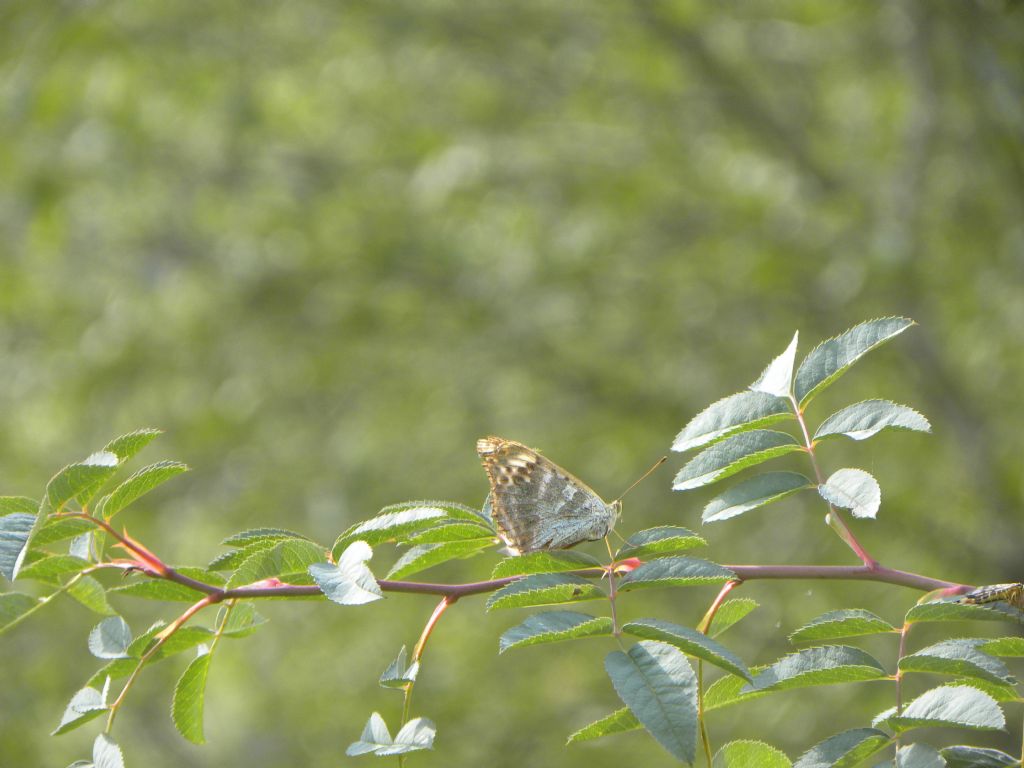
(328, 245)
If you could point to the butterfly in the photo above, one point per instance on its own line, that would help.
(538, 505)
(1008, 593)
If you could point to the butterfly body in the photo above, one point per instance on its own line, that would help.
(538, 505)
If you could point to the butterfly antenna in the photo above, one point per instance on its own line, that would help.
(657, 464)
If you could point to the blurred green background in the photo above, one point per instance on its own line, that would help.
(328, 245)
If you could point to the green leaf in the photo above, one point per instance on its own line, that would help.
(544, 589)
(51, 569)
(230, 561)
(398, 675)
(675, 572)
(189, 694)
(82, 480)
(869, 417)
(106, 753)
(14, 607)
(750, 754)
(1001, 692)
(853, 489)
(85, 705)
(657, 684)
(824, 665)
(245, 538)
(543, 562)
(284, 557)
(831, 359)
(939, 610)
(110, 639)
(777, 378)
(848, 622)
(126, 446)
(58, 529)
(689, 641)
(619, 721)
(958, 657)
(658, 541)
(732, 455)
(730, 612)
(977, 757)
(753, 493)
(729, 690)
(844, 750)
(454, 531)
(390, 526)
(424, 556)
(14, 532)
(735, 413)
(139, 484)
(956, 706)
(158, 589)
(350, 582)
(1009, 647)
(185, 639)
(553, 626)
(12, 505)
(91, 594)
(397, 521)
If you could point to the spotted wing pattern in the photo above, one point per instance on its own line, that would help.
(538, 505)
(993, 593)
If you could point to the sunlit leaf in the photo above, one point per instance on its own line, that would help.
(750, 754)
(126, 446)
(553, 626)
(690, 641)
(957, 706)
(777, 378)
(730, 612)
(831, 359)
(189, 695)
(756, 492)
(732, 455)
(658, 541)
(675, 572)
(825, 665)
(848, 622)
(543, 562)
(957, 657)
(139, 484)
(544, 589)
(423, 556)
(869, 417)
(735, 413)
(845, 749)
(619, 721)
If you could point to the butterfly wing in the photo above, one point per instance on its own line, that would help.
(536, 504)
